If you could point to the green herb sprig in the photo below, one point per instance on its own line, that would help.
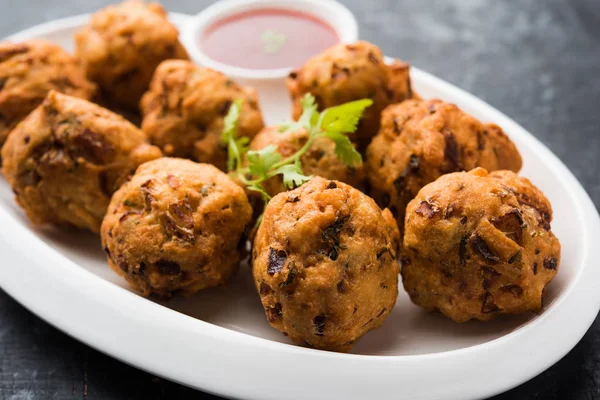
(334, 123)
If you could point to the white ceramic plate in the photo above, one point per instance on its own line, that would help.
(219, 340)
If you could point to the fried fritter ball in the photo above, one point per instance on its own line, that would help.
(348, 72)
(479, 245)
(324, 263)
(176, 225)
(185, 107)
(123, 44)
(66, 159)
(28, 71)
(421, 140)
(319, 160)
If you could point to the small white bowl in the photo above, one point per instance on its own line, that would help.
(329, 11)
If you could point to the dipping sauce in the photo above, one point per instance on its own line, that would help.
(267, 39)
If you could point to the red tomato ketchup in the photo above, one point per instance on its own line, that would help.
(267, 39)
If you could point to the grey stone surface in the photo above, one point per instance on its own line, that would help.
(537, 61)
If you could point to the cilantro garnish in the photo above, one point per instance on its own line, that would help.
(334, 123)
(273, 41)
(236, 146)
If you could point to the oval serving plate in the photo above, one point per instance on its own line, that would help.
(219, 340)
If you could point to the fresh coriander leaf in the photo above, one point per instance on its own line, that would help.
(257, 187)
(260, 217)
(231, 122)
(288, 126)
(310, 113)
(308, 101)
(230, 159)
(235, 151)
(334, 123)
(309, 116)
(293, 176)
(344, 118)
(236, 146)
(344, 149)
(261, 161)
(273, 41)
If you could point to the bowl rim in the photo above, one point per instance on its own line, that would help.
(331, 12)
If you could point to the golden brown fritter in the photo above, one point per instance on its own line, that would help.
(185, 107)
(28, 71)
(176, 225)
(324, 263)
(421, 140)
(123, 44)
(479, 245)
(319, 160)
(66, 159)
(348, 72)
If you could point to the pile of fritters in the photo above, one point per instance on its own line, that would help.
(438, 189)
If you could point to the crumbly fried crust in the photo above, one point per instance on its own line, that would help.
(28, 71)
(419, 141)
(121, 47)
(185, 107)
(324, 263)
(176, 225)
(479, 245)
(66, 159)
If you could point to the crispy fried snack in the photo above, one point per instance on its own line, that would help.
(348, 72)
(176, 225)
(324, 263)
(122, 46)
(184, 110)
(28, 71)
(66, 159)
(479, 245)
(419, 141)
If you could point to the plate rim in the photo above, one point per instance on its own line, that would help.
(583, 286)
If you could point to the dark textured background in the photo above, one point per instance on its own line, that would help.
(537, 61)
